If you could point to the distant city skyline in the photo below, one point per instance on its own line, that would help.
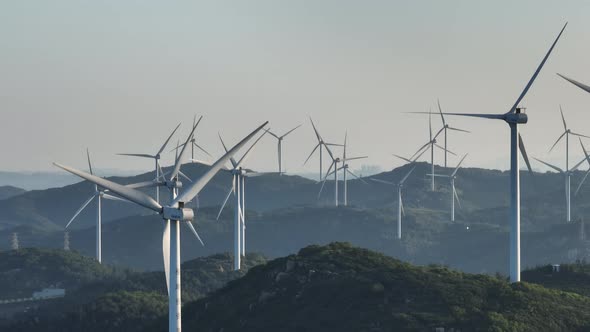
(117, 77)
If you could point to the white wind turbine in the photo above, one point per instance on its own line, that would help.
(454, 195)
(431, 144)
(193, 143)
(567, 172)
(238, 189)
(399, 185)
(280, 146)
(345, 169)
(173, 213)
(514, 117)
(99, 194)
(321, 143)
(156, 158)
(445, 128)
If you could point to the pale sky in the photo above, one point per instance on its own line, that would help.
(117, 76)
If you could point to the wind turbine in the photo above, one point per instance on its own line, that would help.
(173, 213)
(445, 128)
(280, 146)
(431, 144)
(156, 157)
(321, 143)
(514, 117)
(238, 189)
(193, 143)
(567, 172)
(345, 169)
(454, 195)
(576, 83)
(99, 194)
(399, 185)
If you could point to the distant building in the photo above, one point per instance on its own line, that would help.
(48, 293)
(555, 267)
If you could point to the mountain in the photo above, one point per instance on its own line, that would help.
(339, 287)
(95, 292)
(10, 191)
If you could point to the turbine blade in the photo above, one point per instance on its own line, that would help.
(131, 194)
(407, 175)
(382, 181)
(356, 158)
(582, 182)
(457, 129)
(182, 155)
(402, 206)
(441, 113)
(201, 162)
(317, 134)
(142, 155)
(234, 163)
(231, 190)
(144, 184)
(166, 252)
(245, 156)
(402, 158)
(184, 176)
(167, 140)
(524, 154)
(200, 148)
(548, 164)
(290, 131)
(563, 118)
(198, 185)
(456, 197)
(530, 83)
(473, 115)
(579, 135)
(322, 187)
(89, 163)
(576, 83)
(459, 165)
(273, 134)
(113, 198)
(312, 151)
(560, 137)
(356, 176)
(585, 152)
(442, 148)
(81, 209)
(192, 227)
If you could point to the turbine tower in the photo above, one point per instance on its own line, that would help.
(238, 189)
(454, 195)
(156, 158)
(66, 241)
(334, 165)
(173, 213)
(513, 118)
(321, 144)
(99, 194)
(445, 128)
(280, 146)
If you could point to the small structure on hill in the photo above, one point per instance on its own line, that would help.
(49, 293)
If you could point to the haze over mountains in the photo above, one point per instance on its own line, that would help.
(284, 214)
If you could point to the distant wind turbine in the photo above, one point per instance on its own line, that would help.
(280, 146)
(345, 169)
(454, 195)
(238, 189)
(445, 128)
(514, 117)
(399, 185)
(567, 172)
(156, 157)
(193, 143)
(321, 144)
(587, 157)
(99, 194)
(431, 144)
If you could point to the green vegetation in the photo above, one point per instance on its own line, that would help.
(339, 287)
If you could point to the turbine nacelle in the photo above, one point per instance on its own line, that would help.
(180, 214)
(516, 117)
(173, 184)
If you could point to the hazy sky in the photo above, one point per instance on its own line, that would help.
(117, 76)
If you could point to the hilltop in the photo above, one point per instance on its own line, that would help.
(339, 287)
